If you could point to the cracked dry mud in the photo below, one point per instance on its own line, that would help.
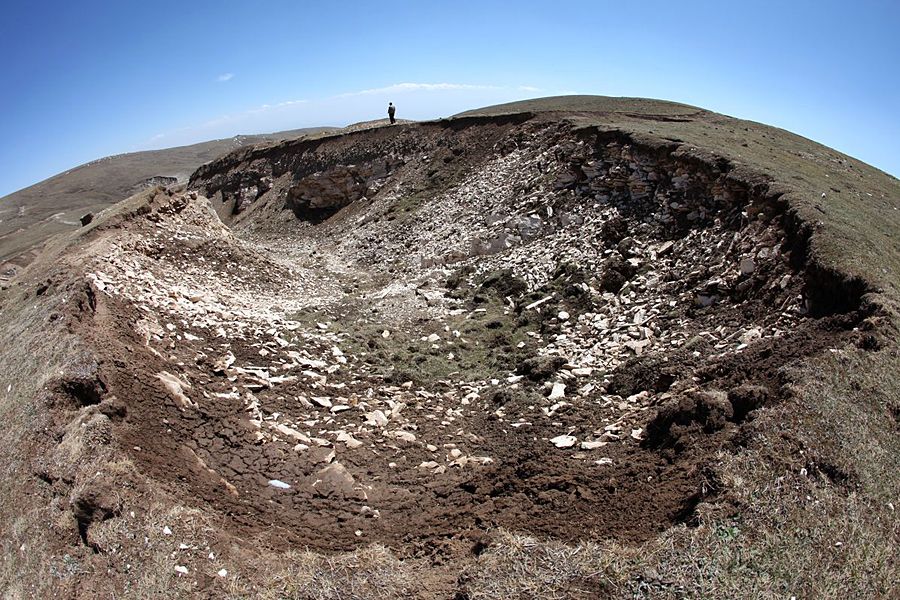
(497, 324)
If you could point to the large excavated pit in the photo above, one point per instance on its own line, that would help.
(413, 335)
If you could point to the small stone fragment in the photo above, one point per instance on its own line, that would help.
(405, 436)
(349, 440)
(747, 266)
(564, 441)
(376, 418)
(593, 445)
(321, 401)
(558, 391)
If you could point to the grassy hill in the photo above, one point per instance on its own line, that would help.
(28, 217)
(771, 422)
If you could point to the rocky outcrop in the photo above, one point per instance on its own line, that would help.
(323, 193)
(315, 177)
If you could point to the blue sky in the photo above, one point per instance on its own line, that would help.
(87, 79)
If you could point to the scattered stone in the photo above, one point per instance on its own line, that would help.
(376, 418)
(558, 391)
(637, 346)
(335, 481)
(665, 248)
(348, 440)
(564, 441)
(176, 387)
(536, 304)
(751, 335)
(405, 436)
(292, 433)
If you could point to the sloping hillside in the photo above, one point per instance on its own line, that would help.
(28, 217)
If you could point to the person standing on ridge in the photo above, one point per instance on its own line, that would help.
(391, 110)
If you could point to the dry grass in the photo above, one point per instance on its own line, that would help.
(830, 547)
(371, 573)
(807, 509)
(522, 567)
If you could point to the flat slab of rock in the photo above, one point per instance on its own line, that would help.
(564, 441)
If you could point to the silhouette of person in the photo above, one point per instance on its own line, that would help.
(391, 110)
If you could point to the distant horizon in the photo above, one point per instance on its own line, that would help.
(276, 131)
(85, 83)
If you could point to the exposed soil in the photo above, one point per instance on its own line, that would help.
(318, 382)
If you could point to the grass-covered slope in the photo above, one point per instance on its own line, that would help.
(28, 217)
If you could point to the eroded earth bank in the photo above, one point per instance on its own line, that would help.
(416, 337)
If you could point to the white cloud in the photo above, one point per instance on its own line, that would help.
(224, 77)
(416, 87)
(267, 107)
(419, 101)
